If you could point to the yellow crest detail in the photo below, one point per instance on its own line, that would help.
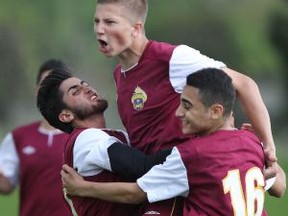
(138, 98)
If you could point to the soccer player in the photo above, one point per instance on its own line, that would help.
(220, 172)
(95, 151)
(31, 157)
(151, 75)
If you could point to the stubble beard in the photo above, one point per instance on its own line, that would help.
(99, 108)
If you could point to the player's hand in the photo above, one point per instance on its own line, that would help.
(271, 163)
(72, 182)
(5, 186)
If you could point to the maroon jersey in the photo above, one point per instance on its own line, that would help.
(224, 172)
(148, 95)
(40, 164)
(86, 206)
(147, 101)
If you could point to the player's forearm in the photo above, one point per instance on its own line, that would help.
(5, 186)
(257, 113)
(279, 187)
(114, 192)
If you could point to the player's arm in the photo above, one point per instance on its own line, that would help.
(279, 187)
(9, 165)
(5, 186)
(131, 163)
(250, 98)
(162, 182)
(74, 184)
(95, 148)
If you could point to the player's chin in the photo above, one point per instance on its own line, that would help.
(186, 130)
(107, 53)
(103, 50)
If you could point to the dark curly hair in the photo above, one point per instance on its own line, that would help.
(49, 98)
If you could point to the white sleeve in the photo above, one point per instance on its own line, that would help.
(90, 151)
(186, 60)
(166, 180)
(9, 160)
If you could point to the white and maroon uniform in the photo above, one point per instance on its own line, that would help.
(218, 174)
(148, 95)
(32, 157)
(86, 151)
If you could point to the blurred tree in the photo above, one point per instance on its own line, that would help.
(12, 77)
(279, 38)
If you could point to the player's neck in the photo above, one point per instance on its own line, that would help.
(46, 126)
(96, 121)
(130, 57)
(225, 126)
(216, 127)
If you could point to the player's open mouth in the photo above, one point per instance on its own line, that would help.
(94, 97)
(103, 46)
(102, 43)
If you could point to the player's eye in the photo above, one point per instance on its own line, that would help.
(186, 105)
(75, 91)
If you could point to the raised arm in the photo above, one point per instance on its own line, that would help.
(252, 103)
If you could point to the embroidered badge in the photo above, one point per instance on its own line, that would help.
(138, 98)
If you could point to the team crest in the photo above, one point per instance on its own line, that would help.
(138, 98)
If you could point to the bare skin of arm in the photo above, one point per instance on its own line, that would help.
(252, 103)
(279, 187)
(5, 186)
(75, 185)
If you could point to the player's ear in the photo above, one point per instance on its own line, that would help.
(217, 111)
(66, 116)
(138, 29)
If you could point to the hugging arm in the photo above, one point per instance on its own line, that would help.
(122, 192)
(128, 162)
(131, 163)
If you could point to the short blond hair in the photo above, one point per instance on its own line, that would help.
(136, 8)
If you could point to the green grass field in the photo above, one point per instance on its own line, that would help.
(274, 206)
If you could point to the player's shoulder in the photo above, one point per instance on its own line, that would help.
(101, 133)
(119, 134)
(248, 133)
(94, 132)
(159, 50)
